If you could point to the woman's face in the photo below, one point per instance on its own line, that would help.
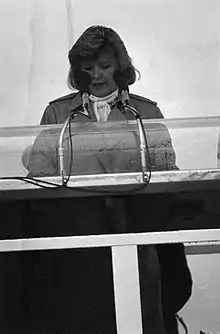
(101, 70)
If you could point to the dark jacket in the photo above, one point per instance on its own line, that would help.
(58, 110)
(109, 215)
(44, 153)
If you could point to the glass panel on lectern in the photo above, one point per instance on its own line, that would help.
(111, 147)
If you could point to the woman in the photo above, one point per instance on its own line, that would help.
(101, 53)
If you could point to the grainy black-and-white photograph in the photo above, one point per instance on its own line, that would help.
(110, 167)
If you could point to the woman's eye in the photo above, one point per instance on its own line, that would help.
(88, 68)
(105, 66)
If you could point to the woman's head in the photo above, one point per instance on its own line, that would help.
(101, 52)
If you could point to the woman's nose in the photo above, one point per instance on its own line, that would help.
(96, 72)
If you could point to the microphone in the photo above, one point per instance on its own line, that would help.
(85, 102)
(121, 82)
(83, 80)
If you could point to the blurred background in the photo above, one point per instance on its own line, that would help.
(176, 46)
(174, 43)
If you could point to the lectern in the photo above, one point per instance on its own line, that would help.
(177, 198)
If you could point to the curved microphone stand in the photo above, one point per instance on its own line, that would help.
(143, 141)
(60, 147)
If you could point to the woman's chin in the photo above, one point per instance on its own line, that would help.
(102, 90)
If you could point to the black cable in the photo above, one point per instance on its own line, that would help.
(146, 145)
(32, 180)
(180, 319)
(65, 184)
(50, 185)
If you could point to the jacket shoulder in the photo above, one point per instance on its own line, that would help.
(64, 98)
(144, 99)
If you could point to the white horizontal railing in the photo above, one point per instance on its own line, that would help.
(125, 273)
(192, 239)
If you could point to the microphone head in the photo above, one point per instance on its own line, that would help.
(121, 81)
(83, 80)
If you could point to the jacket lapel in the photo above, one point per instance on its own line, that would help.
(117, 115)
(76, 106)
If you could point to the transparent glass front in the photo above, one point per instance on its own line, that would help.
(111, 147)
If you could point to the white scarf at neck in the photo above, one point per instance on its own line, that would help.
(101, 105)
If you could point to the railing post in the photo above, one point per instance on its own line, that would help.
(127, 289)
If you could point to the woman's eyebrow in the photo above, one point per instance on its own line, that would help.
(87, 64)
(105, 61)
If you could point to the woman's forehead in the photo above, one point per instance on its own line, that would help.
(104, 55)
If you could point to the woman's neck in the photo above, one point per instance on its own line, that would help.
(104, 98)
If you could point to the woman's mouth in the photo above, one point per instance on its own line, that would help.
(99, 85)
